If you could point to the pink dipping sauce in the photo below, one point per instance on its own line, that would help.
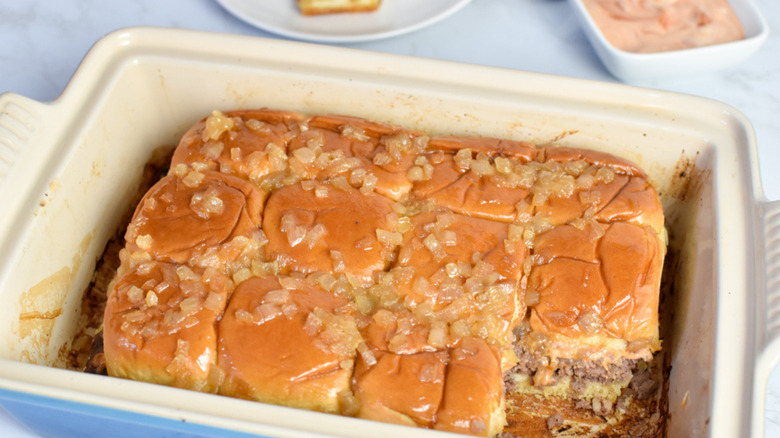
(645, 26)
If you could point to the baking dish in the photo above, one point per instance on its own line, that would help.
(68, 168)
(635, 67)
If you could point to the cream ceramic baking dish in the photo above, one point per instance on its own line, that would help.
(68, 168)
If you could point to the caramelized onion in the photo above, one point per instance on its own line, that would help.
(217, 124)
(135, 294)
(214, 302)
(277, 297)
(151, 299)
(437, 337)
(193, 179)
(366, 354)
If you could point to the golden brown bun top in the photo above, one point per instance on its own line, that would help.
(472, 393)
(159, 324)
(465, 271)
(287, 345)
(438, 238)
(467, 192)
(598, 280)
(458, 389)
(213, 208)
(320, 229)
(236, 142)
(385, 151)
(601, 159)
(616, 198)
(401, 388)
(522, 150)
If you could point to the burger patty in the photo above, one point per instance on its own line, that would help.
(580, 371)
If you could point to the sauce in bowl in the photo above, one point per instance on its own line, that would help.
(646, 26)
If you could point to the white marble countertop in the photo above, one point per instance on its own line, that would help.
(42, 43)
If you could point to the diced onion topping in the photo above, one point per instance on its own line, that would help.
(277, 296)
(214, 302)
(151, 299)
(266, 312)
(305, 155)
(437, 337)
(216, 125)
(212, 149)
(193, 179)
(389, 238)
(366, 354)
(144, 242)
(135, 294)
(207, 203)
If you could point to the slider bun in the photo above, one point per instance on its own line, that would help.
(471, 235)
(348, 221)
(160, 325)
(468, 193)
(335, 123)
(481, 293)
(601, 159)
(600, 280)
(401, 388)
(240, 148)
(637, 203)
(440, 240)
(212, 207)
(287, 346)
(456, 390)
(472, 402)
(386, 152)
(521, 150)
(611, 198)
(560, 210)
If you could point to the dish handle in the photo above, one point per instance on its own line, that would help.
(767, 307)
(22, 125)
(770, 219)
(20, 119)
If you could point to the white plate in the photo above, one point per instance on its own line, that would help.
(394, 17)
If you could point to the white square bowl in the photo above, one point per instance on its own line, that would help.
(67, 169)
(639, 67)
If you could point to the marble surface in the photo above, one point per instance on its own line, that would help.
(42, 43)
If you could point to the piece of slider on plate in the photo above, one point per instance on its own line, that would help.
(319, 7)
